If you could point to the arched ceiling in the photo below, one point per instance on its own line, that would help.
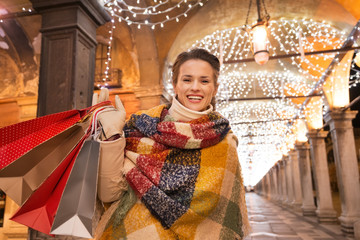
(253, 96)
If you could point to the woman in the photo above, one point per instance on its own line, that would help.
(180, 164)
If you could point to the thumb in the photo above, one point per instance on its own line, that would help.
(118, 104)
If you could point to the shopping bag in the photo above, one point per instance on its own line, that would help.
(75, 215)
(76, 210)
(17, 139)
(38, 212)
(20, 178)
(24, 144)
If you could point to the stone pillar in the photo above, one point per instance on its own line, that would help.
(293, 157)
(261, 187)
(342, 136)
(308, 206)
(279, 182)
(283, 181)
(275, 193)
(269, 185)
(325, 210)
(289, 181)
(67, 53)
(150, 90)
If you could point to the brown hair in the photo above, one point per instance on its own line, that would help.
(196, 53)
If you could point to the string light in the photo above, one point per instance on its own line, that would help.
(273, 136)
(135, 14)
(141, 16)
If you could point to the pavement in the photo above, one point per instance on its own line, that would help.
(270, 220)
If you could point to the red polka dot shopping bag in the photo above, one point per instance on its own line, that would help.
(31, 150)
(64, 204)
(69, 191)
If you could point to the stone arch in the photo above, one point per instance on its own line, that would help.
(219, 15)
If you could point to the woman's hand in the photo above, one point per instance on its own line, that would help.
(112, 122)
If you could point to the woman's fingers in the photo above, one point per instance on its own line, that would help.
(104, 95)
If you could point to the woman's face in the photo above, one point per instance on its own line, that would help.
(195, 84)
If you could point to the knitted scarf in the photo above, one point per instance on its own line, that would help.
(186, 177)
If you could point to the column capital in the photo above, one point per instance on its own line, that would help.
(292, 153)
(282, 163)
(302, 145)
(340, 119)
(314, 133)
(93, 7)
(337, 114)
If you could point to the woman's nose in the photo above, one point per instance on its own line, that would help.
(195, 85)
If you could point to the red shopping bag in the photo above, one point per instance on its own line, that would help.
(38, 212)
(27, 150)
(17, 139)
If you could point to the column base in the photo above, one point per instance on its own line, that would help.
(347, 224)
(288, 203)
(308, 210)
(296, 206)
(357, 229)
(326, 216)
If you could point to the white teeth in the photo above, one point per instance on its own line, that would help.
(195, 97)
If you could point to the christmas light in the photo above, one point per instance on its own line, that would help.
(265, 129)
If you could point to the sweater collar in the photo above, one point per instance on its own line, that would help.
(184, 114)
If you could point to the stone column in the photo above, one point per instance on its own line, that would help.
(325, 210)
(297, 202)
(262, 187)
(275, 192)
(267, 186)
(150, 90)
(308, 206)
(342, 136)
(67, 53)
(279, 182)
(289, 181)
(283, 181)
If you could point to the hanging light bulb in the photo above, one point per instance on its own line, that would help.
(259, 35)
(260, 43)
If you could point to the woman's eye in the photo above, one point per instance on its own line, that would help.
(205, 81)
(186, 79)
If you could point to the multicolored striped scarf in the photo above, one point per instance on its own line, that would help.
(186, 176)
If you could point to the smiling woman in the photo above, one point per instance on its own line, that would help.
(181, 167)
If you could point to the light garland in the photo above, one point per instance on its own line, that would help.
(263, 136)
(139, 16)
